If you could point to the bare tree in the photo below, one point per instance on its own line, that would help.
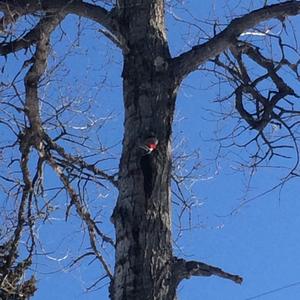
(41, 137)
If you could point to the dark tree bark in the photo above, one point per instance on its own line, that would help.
(145, 267)
(142, 219)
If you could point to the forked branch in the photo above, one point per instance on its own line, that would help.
(83, 214)
(13, 9)
(199, 54)
(76, 160)
(46, 24)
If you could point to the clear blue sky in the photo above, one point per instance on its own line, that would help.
(260, 241)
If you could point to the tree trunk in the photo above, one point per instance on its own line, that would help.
(142, 215)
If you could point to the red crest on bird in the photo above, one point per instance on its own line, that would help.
(150, 144)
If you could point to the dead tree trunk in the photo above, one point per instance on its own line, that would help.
(142, 215)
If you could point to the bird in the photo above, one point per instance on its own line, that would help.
(149, 145)
(148, 164)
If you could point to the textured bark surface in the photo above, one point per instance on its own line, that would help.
(142, 219)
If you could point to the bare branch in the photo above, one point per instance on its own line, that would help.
(272, 111)
(185, 269)
(48, 23)
(82, 212)
(190, 60)
(16, 8)
(11, 273)
(37, 69)
(79, 161)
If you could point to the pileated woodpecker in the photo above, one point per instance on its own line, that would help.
(148, 165)
(150, 144)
